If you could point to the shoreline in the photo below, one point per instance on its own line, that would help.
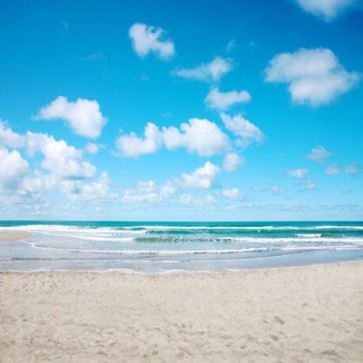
(302, 314)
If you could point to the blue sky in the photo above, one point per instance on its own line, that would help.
(208, 110)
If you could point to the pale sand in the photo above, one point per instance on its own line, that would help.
(302, 314)
(13, 236)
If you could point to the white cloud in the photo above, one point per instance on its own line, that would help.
(35, 184)
(199, 136)
(197, 201)
(83, 116)
(276, 189)
(145, 192)
(315, 76)
(232, 161)
(326, 9)
(79, 189)
(133, 146)
(203, 177)
(62, 160)
(232, 193)
(92, 148)
(298, 173)
(244, 129)
(209, 72)
(332, 170)
(351, 169)
(310, 184)
(148, 39)
(222, 101)
(9, 138)
(319, 154)
(13, 169)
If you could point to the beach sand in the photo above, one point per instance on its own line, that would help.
(299, 314)
(13, 236)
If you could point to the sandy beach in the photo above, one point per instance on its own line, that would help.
(302, 314)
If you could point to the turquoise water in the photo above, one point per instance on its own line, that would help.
(178, 246)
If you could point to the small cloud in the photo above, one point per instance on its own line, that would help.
(93, 57)
(231, 45)
(326, 9)
(298, 173)
(244, 129)
(232, 161)
(276, 190)
(332, 170)
(148, 39)
(133, 146)
(210, 72)
(315, 76)
(222, 101)
(92, 148)
(351, 169)
(310, 184)
(232, 193)
(199, 136)
(319, 154)
(83, 116)
(203, 177)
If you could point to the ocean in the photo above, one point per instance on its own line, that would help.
(164, 247)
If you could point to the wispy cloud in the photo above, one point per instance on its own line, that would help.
(223, 100)
(246, 131)
(206, 72)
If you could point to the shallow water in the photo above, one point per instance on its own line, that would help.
(173, 246)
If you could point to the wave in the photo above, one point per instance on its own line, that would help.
(142, 228)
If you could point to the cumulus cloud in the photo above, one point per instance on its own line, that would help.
(222, 101)
(319, 154)
(315, 76)
(148, 39)
(244, 129)
(90, 190)
(326, 9)
(199, 136)
(83, 116)
(232, 161)
(133, 146)
(298, 173)
(62, 160)
(206, 72)
(9, 138)
(203, 177)
(13, 169)
(232, 193)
